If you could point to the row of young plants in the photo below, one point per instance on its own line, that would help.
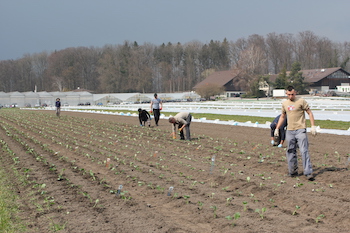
(37, 196)
(186, 196)
(190, 166)
(26, 142)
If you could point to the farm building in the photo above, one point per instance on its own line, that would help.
(232, 81)
(324, 80)
(320, 81)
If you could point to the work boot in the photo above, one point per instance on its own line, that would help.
(292, 174)
(310, 177)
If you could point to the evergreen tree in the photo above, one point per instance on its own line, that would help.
(281, 81)
(296, 78)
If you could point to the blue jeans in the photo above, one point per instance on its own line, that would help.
(298, 138)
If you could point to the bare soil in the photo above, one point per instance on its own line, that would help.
(69, 184)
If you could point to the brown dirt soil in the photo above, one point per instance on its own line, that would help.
(60, 171)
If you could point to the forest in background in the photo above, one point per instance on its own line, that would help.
(130, 67)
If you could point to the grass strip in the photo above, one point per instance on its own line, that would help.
(324, 124)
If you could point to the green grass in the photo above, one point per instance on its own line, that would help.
(324, 124)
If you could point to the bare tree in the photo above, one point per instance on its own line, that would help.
(236, 49)
(274, 44)
(305, 49)
(39, 69)
(57, 82)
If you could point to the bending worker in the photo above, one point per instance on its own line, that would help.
(278, 141)
(144, 117)
(183, 120)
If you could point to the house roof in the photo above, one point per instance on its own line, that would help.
(219, 78)
(314, 75)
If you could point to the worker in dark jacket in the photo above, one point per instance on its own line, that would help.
(144, 117)
(278, 141)
(58, 107)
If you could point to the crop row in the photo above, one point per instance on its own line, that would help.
(207, 175)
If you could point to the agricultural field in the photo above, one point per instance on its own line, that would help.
(86, 172)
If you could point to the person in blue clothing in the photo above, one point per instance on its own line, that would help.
(278, 141)
(58, 107)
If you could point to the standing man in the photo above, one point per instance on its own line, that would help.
(144, 117)
(58, 107)
(183, 119)
(278, 141)
(156, 106)
(294, 108)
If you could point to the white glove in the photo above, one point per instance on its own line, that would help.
(277, 133)
(280, 145)
(313, 130)
(272, 142)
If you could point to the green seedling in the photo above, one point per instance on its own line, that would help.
(60, 176)
(228, 200)
(214, 210)
(298, 185)
(159, 188)
(295, 211)
(235, 217)
(319, 218)
(96, 201)
(186, 197)
(261, 212)
(175, 195)
(124, 197)
(92, 175)
(245, 203)
(193, 184)
(16, 160)
(225, 188)
(55, 227)
(200, 205)
(140, 183)
(225, 171)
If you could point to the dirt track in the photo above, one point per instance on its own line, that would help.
(70, 184)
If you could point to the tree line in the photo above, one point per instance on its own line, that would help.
(130, 67)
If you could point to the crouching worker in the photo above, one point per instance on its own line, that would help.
(144, 117)
(183, 120)
(278, 141)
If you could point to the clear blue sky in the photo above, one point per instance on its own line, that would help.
(34, 26)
